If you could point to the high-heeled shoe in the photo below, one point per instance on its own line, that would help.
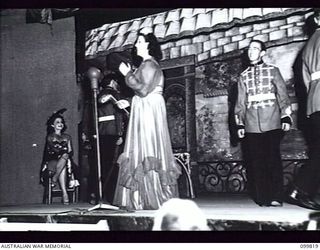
(65, 199)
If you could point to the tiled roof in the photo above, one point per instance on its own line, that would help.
(174, 24)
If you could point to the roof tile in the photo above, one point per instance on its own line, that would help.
(186, 13)
(130, 38)
(203, 21)
(173, 29)
(188, 25)
(123, 28)
(117, 41)
(198, 11)
(135, 25)
(159, 19)
(219, 16)
(148, 22)
(160, 30)
(173, 16)
(250, 12)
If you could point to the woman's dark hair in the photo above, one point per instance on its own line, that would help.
(154, 48)
(52, 118)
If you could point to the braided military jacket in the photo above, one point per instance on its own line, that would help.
(262, 99)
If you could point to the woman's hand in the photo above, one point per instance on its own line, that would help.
(124, 68)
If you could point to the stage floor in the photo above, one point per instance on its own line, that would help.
(223, 211)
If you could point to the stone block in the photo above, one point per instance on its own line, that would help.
(286, 26)
(262, 37)
(277, 35)
(252, 34)
(223, 41)
(295, 19)
(230, 47)
(191, 49)
(268, 30)
(261, 26)
(203, 56)
(244, 43)
(295, 31)
(245, 29)
(277, 23)
(232, 32)
(216, 35)
(200, 39)
(183, 42)
(209, 45)
(175, 52)
(216, 52)
(237, 38)
(167, 45)
(166, 53)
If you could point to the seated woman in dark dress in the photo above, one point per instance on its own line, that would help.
(58, 150)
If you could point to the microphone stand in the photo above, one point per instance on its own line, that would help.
(94, 75)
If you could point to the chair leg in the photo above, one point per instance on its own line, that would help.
(49, 191)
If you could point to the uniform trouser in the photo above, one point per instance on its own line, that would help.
(308, 179)
(109, 173)
(264, 166)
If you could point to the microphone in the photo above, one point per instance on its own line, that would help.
(94, 75)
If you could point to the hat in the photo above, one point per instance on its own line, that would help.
(54, 115)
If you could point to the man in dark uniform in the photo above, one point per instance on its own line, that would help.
(307, 183)
(111, 125)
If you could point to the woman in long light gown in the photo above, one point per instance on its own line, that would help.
(148, 172)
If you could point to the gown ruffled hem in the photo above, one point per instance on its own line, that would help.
(131, 177)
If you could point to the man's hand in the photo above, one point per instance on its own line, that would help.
(241, 133)
(119, 141)
(286, 123)
(285, 126)
(122, 104)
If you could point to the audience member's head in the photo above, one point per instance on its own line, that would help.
(178, 214)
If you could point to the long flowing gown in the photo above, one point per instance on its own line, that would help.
(148, 172)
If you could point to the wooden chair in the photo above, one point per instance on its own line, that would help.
(51, 192)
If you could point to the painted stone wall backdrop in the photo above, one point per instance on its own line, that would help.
(216, 81)
(175, 111)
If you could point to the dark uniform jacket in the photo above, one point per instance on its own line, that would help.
(110, 117)
(311, 72)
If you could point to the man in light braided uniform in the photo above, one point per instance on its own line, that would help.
(262, 113)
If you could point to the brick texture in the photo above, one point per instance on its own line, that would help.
(208, 45)
(223, 41)
(295, 19)
(277, 23)
(175, 52)
(245, 29)
(230, 47)
(278, 34)
(260, 26)
(216, 35)
(216, 52)
(183, 41)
